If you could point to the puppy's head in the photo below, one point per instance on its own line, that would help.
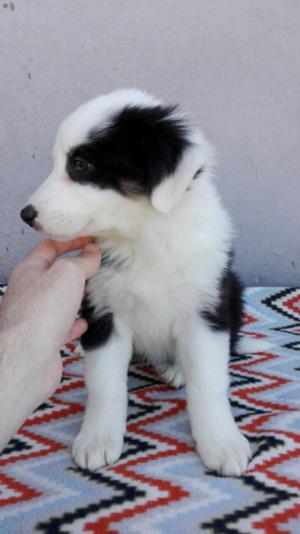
(117, 159)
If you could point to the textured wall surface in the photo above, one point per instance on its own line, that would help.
(234, 65)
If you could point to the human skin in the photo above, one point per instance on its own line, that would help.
(38, 314)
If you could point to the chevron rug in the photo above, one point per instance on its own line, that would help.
(160, 485)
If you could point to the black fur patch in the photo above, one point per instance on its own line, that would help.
(134, 153)
(228, 313)
(99, 329)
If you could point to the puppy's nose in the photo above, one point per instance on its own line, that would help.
(28, 214)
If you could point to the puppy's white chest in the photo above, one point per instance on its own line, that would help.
(146, 297)
(150, 313)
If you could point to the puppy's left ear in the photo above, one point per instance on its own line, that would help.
(166, 151)
(168, 193)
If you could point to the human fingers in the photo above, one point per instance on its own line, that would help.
(44, 254)
(62, 247)
(88, 260)
(79, 327)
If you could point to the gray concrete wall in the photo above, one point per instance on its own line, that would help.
(233, 63)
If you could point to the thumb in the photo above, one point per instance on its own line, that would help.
(88, 260)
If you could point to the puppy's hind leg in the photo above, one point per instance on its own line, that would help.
(100, 439)
(170, 374)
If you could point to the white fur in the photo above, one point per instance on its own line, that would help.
(171, 374)
(171, 251)
(203, 354)
(100, 439)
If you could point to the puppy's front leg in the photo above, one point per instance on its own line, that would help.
(100, 439)
(204, 353)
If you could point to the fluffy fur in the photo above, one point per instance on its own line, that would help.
(135, 174)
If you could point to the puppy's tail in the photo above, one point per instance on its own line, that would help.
(247, 345)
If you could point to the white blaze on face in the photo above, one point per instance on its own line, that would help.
(60, 208)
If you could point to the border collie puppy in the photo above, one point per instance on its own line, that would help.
(138, 176)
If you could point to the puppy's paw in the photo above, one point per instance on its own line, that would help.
(171, 375)
(98, 447)
(226, 453)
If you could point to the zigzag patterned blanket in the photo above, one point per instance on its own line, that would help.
(160, 485)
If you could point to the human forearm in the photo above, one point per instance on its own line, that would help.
(12, 385)
(37, 316)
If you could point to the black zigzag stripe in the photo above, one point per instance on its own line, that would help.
(16, 445)
(124, 493)
(274, 497)
(265, 444)
(133, 446)
(240, 358)
(288, 329)
(65, 354)
(151, 380)
(249, 411)
(237, 379)
(43, 407)
(142, 410)
(294, 345)
(271, 302)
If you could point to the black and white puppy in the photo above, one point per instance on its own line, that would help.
(135, 174)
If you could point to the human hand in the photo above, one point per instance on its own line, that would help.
(41, 288)
(37, 316)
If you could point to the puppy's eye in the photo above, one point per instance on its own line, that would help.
(81, 165)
